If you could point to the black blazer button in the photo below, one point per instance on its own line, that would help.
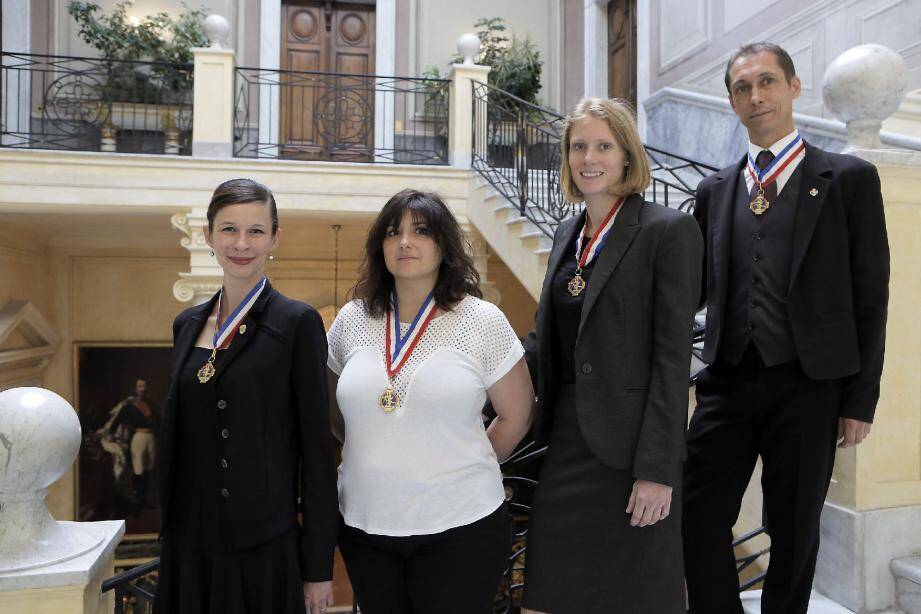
(586, 367)
(223, 463)
(225, 433)
(225, 493)
(222, 404)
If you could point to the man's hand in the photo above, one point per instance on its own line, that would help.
(318, 596)
(851, 432)
(649, 503)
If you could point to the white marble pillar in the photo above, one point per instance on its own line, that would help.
(596, 48)
(15, 112)
(385, 65)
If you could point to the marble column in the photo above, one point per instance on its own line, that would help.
(212, 131)
(460, 122)
(873, 511)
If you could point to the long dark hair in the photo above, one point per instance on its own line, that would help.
(456, 274)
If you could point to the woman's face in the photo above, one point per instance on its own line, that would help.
(596, 159)
(242, 239)
(410, 251)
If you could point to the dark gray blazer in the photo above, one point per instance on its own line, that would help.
(633, 351)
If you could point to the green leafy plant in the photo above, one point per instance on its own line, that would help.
(157, 38)
(515, 61)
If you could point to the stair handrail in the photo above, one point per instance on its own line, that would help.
(516, 149)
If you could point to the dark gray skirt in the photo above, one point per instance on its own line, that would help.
(583, 556)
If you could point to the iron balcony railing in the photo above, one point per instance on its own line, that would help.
(516, 148)
(86, 104)
(310, 115)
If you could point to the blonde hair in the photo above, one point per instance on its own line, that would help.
(619, 116)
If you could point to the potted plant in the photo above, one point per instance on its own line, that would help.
(146, 75)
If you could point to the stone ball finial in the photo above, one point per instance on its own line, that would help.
(468, 45)
(216, 29)
(39, 440)
(862, 87)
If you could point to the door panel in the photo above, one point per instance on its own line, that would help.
(327, 116)
(622, 50)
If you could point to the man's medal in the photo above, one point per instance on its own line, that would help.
(769, 174)
(399, 347)
(577, 284)
(224, 332)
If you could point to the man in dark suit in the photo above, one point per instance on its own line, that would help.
(796, 278)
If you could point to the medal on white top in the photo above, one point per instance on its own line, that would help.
(768, 175)
(399, 347)
(223, 332)
(577, 284)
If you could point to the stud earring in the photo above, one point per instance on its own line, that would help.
(212, 253)
(271, 256)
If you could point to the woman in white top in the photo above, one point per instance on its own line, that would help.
(412, 361)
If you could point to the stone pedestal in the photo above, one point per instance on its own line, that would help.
(212, 130)
(70, 587)
(460, 123)
(873, 514)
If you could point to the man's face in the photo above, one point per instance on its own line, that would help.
(140, 388)
(762, 98)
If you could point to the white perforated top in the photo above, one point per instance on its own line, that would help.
(427, 466)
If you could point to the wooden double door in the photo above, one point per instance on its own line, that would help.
(622, 50)
(328, 116)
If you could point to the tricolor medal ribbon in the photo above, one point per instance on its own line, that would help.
(223, 332)
(577, 284)
(400, 347)
(768, 175)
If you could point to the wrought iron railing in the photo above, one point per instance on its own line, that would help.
(516, 148)
(310, 115)
(134, 589)
(58, 102)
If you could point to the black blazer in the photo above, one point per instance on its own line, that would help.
(273, 384)
(632, 355)
(839, 282)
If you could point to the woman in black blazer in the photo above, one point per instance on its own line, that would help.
(612, 356)
(246, 445)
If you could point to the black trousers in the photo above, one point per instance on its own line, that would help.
(743, 412)
(457, 571)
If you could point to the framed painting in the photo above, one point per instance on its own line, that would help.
(121, 393)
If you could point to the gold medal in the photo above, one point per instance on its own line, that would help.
(207, 370)
(760, 204)
(577, 284)
(389, 399)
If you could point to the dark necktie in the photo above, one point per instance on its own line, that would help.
(770, 192)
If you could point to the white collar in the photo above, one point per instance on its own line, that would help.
(776, 148)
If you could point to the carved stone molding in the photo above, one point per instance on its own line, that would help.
(23, 363)
(204, 276)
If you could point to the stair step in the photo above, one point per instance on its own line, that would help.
(543, 250)
(818, 604)
(907, 572)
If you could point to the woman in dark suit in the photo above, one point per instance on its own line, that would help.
(612, 347)
(246, 443)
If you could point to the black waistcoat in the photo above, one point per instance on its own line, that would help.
(759, 278)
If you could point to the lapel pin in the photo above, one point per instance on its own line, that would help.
(813, 192)
(243, 329)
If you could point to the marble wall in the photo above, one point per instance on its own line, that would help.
(691, 51)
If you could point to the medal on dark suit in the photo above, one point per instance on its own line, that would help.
(577, 284)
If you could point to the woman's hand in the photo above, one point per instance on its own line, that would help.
(649, 503)
(318, 596)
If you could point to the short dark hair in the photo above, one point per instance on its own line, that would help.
(783, 59)
(241, 192)
(457, 275)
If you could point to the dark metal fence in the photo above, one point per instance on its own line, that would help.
(340, 117)
(135, 588)
(516, 148)
(58, 102)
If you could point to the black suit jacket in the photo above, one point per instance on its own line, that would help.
(839, 282)
(273, 382)
(632, 355)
